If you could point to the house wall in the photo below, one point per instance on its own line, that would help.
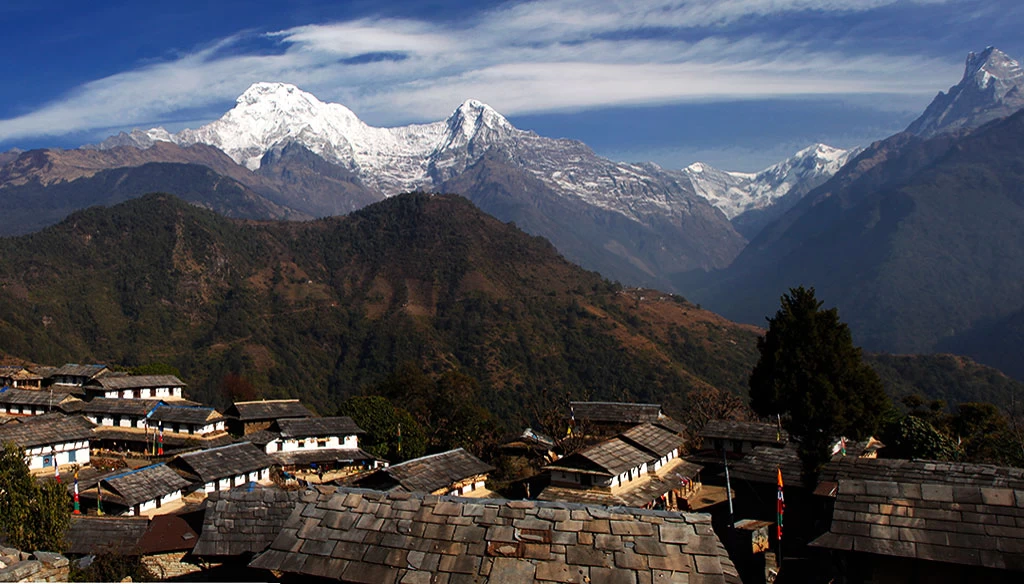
(464, 486)
(65, 453)
(16, 410)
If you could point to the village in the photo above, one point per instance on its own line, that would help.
(266, 491)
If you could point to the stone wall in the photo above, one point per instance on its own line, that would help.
(18, 566)
(169, 565)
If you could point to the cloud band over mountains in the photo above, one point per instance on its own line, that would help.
(530, 57)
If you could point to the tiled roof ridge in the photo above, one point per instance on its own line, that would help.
(205, 450)
(428, 456)
(133, 471)
(266, 401)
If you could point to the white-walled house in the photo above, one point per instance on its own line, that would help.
(324, 443)
(166, 387)
(225, 467)
(143, 490)
(31, 402)
(116, 413)
(455, 472)
(187, 419)
(75, 375)
(638, 468)
(50, 439)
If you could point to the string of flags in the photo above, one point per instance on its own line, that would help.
(78, 509)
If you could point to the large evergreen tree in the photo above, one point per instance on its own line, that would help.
(811, 374)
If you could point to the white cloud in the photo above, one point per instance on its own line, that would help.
(531, 57)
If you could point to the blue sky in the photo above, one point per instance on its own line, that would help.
(735, 83)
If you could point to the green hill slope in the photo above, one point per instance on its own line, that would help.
(318, 309)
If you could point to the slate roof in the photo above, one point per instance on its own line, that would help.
(318, 427)
(616, 412)
(112, 535)
(760, 466)
(76, 370)
(309, 456)
(917, 471)
(128, 536)
(367, 536)
(274, 409)
(172, 440)
(46, 429)
(652, 439)
(241, 521)
(637, 494)
(433, 472)
(763, 432)
(191, 415)
(225, 461)
(115, 406)
(611, 457)
(135, 381)
(261, 438)
(27, 397)
(145, 484)
(960, 524)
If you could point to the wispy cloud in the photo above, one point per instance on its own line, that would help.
(534, 56)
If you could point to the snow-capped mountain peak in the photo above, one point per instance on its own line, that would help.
(737, 192)
(995, 68)
(992, 87)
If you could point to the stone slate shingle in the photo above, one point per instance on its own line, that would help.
(241, 521)
(652, 439)
(318, 427)
(611, 457)
(920, 471)
(106, 535)
(117, 407)
(275, 409)
(321, 455)
(644, 491)
(27, 397)
(222, 462)
(616, 412)
(47, 429)
(760, 466)
(760, 432)
(145, 484)
(963, 524)
(430, 473)
(76, 370)
(135, 381)
(191, 415)
(369, 536)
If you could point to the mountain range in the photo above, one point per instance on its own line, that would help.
(916, 239)
(908, 236)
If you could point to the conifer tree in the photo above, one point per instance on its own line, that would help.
(811, 374)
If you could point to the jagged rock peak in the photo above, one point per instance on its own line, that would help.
(469, 116)
(992, 87)
(993, 67)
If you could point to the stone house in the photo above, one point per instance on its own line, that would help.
(166, 387)
(638, 468)
(140, 491)
(50, 439)
(19, 377)
(75, 375)
(224, 467)
(326, 443)
(455, 472)
(253, 416)
(30, 402)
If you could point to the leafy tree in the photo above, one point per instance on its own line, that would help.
(812, 375)
(382, 420)
(710, 403)
(33, 516)
(911, 436)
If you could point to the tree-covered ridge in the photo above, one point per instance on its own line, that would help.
(321, 309)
